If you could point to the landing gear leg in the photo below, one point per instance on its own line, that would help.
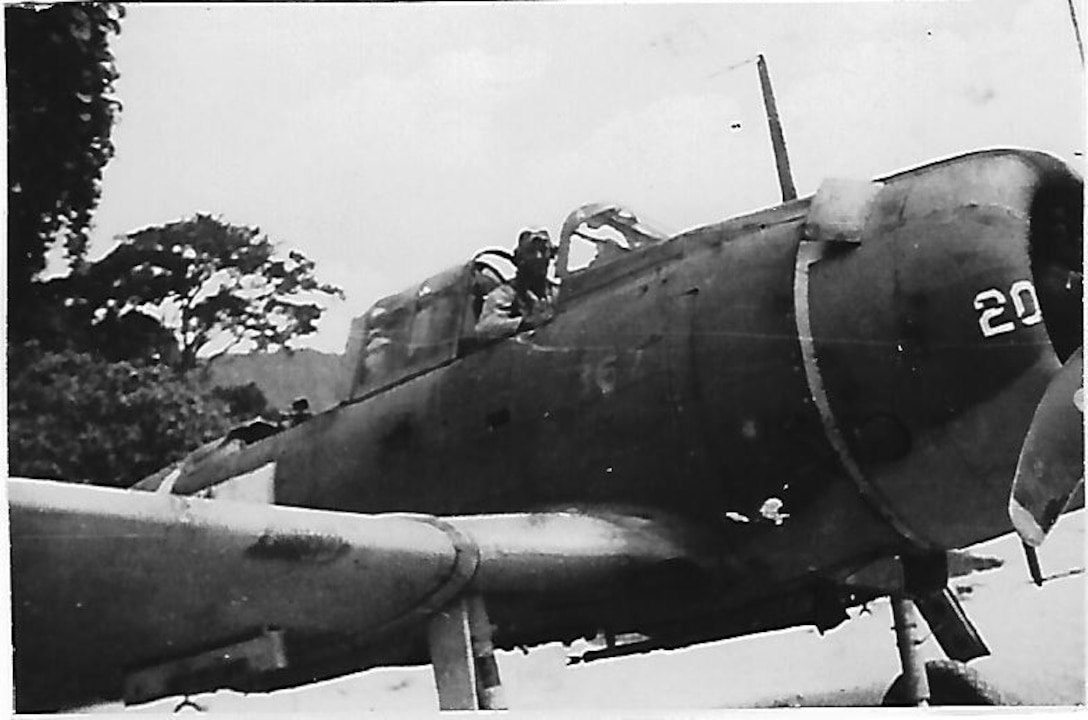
(908, 638)
(465, 671)
(937, 682)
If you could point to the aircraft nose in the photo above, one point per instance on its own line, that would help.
(1057, 258)
(1050, 469)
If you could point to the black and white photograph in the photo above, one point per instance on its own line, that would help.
(669, 359)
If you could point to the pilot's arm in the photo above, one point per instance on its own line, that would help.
(497, 317)
(542, 309)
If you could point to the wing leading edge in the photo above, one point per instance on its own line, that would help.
(107, 581)
(132, 595)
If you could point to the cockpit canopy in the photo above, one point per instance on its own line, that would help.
(412, 331)
(434, 322)
(599, 233)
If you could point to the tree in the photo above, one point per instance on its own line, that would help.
(76, 417)
(61, 109)
(213, 285)
(94, 392)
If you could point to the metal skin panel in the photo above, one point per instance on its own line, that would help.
(932, 370)
(205, 580)
(198, 574)
(748, 381)
(762, 431)
(368, 456)
(606, 360)
(680, 387)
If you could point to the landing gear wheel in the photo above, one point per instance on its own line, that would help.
(950, 683)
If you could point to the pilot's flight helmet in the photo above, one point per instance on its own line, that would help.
(530, 237)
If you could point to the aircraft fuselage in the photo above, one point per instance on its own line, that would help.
(837, 379)
(737, 363)
(729, 431)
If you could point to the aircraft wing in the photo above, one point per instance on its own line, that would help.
(138, 595)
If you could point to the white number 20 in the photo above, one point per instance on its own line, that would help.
(992, 305)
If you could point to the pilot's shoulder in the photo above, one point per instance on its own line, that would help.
(502, 294)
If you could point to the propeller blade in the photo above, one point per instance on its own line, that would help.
(1051, 465)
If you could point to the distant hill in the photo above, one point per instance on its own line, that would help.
(284, 376)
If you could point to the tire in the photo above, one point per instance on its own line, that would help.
(950, 683)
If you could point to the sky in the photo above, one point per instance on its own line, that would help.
(390, 142)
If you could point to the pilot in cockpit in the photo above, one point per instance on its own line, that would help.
(528, 299)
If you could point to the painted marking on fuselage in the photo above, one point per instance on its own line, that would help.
(992, 304)
(256, 486)
(809, 252)
(167, 484)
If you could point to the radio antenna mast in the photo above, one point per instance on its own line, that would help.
(778, 140)
(1076, 30)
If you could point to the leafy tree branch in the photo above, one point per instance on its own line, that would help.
(215, 286)
(61, 110)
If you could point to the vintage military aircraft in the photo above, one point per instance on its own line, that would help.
(752, 425)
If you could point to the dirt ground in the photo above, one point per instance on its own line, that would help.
(1036, 636)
